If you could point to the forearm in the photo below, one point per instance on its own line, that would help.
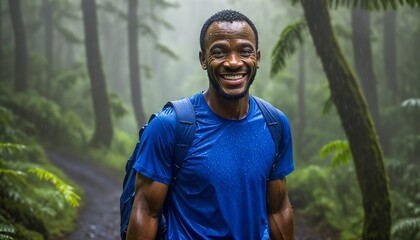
(142, 225)
(144, 219)
(282, 224)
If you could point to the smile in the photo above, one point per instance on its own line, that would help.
(233, 77)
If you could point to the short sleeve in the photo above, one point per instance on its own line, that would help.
(284, 163)
(154, 157)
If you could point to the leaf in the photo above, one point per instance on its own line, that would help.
(163, 22)
(406, 225)
(110, 7)
(147, 30)
(165, 50)
(68, 35)
(11, 148)
(66, 190)
(339, 150)
(411, 102)
(286, 46)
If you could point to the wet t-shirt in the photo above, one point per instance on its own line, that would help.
(220, 191)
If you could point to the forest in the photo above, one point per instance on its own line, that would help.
(80, 77)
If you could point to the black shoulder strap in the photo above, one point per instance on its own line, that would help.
(273, 121)
(185, 130)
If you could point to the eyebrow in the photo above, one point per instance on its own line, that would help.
(223, 44)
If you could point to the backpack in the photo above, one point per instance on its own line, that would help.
(184, 135)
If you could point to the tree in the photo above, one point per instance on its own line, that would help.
(352, 110)
(356, 121)
(133, 52)
(48, 38)
(103, 123)
(21, 52)
(362, 49)
(301, 97)
(390, 56)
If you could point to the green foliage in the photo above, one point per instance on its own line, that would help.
(50, 122)
(110, 7)
(407, 225)
(405, 182)
(411, 102)
(66, 190)
(68, 34)
(369, 4)
(339, 150)
(329, 196)
(117, 106)
(167, 51)
(29, 205)
(286, 46)
(7, 231)
(116, 156)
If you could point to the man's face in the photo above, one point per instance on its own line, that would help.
(230, 57)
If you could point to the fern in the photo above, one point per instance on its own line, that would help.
(19, 175)
(286, 45)
(339, 150)
(411, 102)
(6, 232)
(66, 190)
(11, 148)
(406, 225)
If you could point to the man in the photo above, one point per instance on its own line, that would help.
(229, 186)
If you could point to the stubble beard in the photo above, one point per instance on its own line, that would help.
(227, 96)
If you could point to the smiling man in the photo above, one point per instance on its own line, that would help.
(231, 184)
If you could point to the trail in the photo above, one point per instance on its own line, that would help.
(99, 216)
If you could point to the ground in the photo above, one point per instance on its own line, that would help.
(99, 215)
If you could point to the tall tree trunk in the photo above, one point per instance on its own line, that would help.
(363, 60)
(390, 56)
(356, 121)
(1, 39)
(48, 37)
(133, 52)
(301, 97)
(103, 122)
(21, 53)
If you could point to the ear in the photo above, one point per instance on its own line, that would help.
(202, 59)
(258, 58)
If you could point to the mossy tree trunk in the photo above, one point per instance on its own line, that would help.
(133, 52)
(21, 52)
(103, 122)
(356, 121)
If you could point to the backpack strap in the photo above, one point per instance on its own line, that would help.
(274, 122)
(184, 131)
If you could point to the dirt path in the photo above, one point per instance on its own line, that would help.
(100, 217)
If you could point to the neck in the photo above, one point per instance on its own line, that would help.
(226, 108)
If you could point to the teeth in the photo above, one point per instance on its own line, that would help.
(233, 77)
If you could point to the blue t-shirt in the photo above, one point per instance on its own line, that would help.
(220, 191)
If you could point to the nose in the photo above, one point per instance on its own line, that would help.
(233, 61)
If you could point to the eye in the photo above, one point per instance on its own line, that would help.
(246, 52)
(217, 53)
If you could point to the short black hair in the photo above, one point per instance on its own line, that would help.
(226, 16)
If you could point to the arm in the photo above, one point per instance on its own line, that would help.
(148, 201)
(279, 210)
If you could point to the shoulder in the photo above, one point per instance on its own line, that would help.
(265, 105)
(164, 121)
